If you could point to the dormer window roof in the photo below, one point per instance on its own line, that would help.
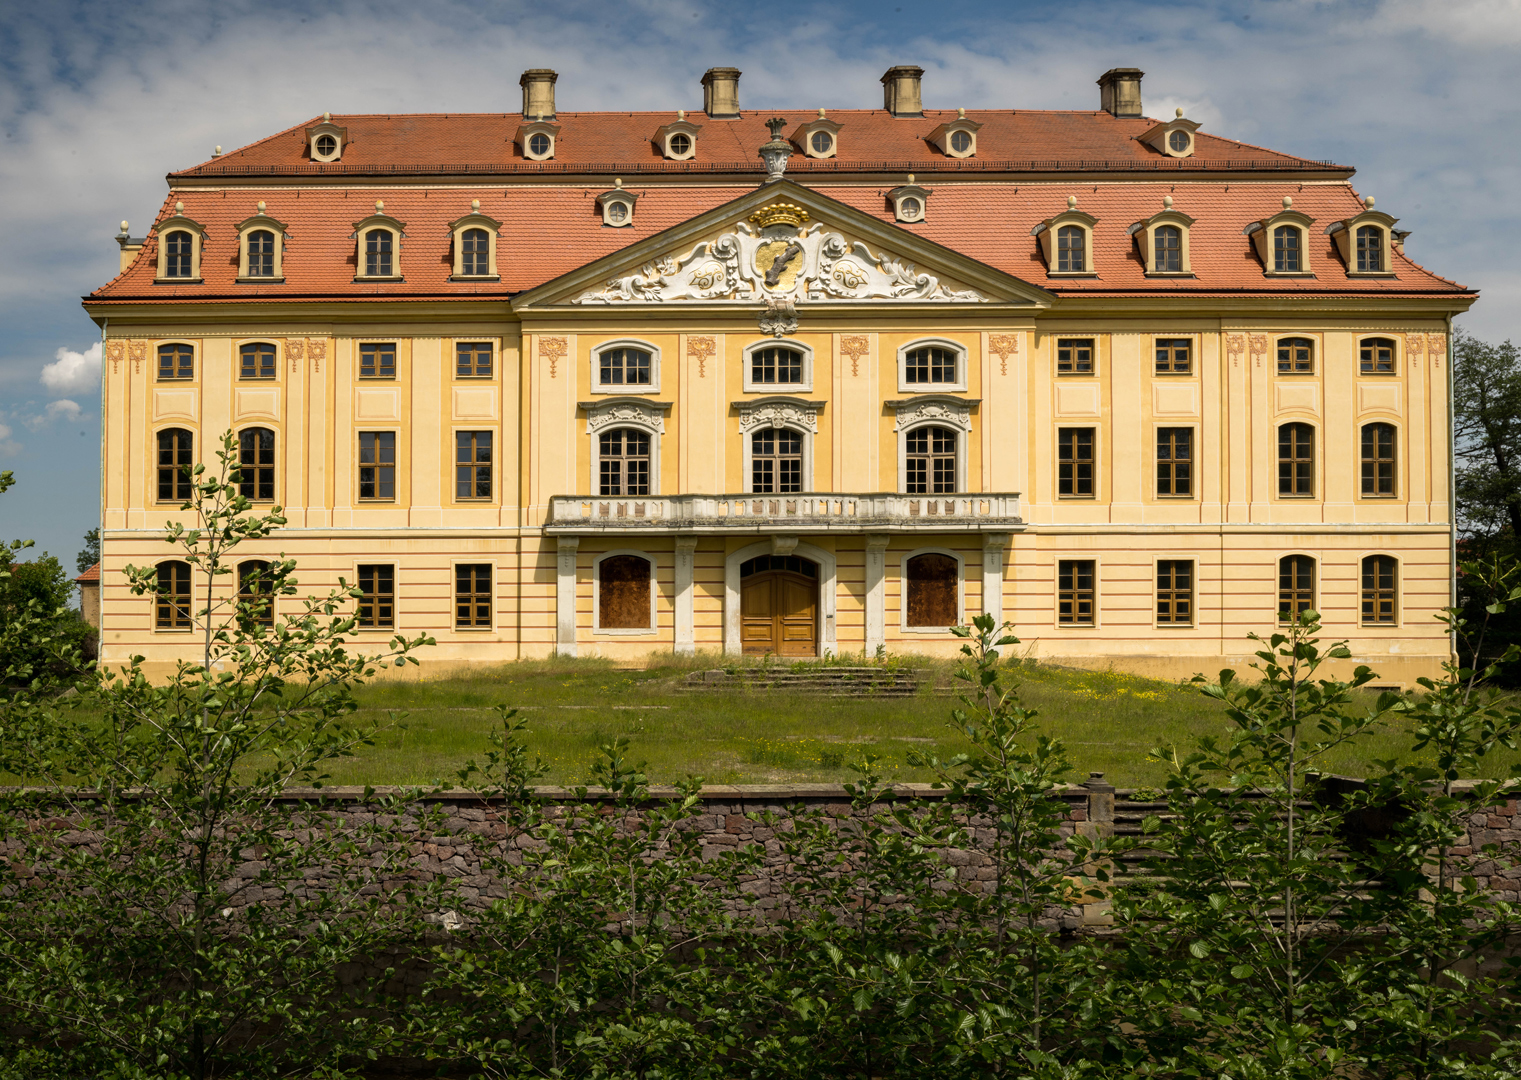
(475, 246)
(909, 201)
(1367, 242)
(1175, 138)
(537, 140)
(678, 141)
(261, 248)
(378, 238)
(1283, 241)
(957, 139)
(617, 206)
(1066, 241)
(1163, 240)
(325, 141)
(818, 138)
(180, 243)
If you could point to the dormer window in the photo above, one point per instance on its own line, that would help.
(326, 139)
(1066, 240)
(1163, 241)
(909, 201)
(1175, 138)
(179, 250)
(1283, 240)
(678, 141)
(817, 138)
(617, 206)
(261, 249)
(475, 246)
(537, 140)
(958, 139)
(1365, 241)
(378, 253)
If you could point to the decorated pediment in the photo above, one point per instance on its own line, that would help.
(778, 248)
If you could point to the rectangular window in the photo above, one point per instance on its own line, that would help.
(1174, 356)
(776, 461)
(776, 366)
(377, 465)
(1074, 356)
(1376, 357)
(256, 361)
(1296, 356)
(472, 360)
(1379, 587)
(624, 367)
(1074, 592)
(1378, 461)
(176, 362)
(1296, 586)
(377, 253)
(171, 605)
(1175, 453)
(1296, 460)
(1175, 592)
(930, 365)
(472, 595)
(472, 464)
(377, 361)
(1074, 475)
(377, 602)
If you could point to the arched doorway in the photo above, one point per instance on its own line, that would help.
(779, 606)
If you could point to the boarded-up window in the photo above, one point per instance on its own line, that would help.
(623, 593)
(931, 587)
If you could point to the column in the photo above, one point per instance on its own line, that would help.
(565, 596)
(686, 634)
(876, 593)
(992, 575)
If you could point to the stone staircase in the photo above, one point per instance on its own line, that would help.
(844, 682)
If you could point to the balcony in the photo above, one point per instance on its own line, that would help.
(812, 513)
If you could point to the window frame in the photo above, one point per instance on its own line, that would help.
(1344, 234)
(378, 466)
(362, 229)
(1058, 594)
(958, 468)
(601, 456)
(805, 477)
(261, 222)
(625, 389)
(359, 582)
(181, 606)
(1192, 462)
(1370, 229)
(457, 232)
(903, 561)
(1278, 346)
(1192, 593)
(753, 387)
(636, 413)
(1396, 593)
(1286, 616)
(158, 368)
(158, 466)
(474, 376)
(245, 568)
(1093, 358)
(273, 467)
(962, 362)
(653, 630)
(274, 370)
(1093, 461)
(472, 627)
(1147, 232)
(1173, 372)
(359, 372)
(1394, 460)
(1048, 233)
(525, 139)
(178, 222)
(1394, 356)
(1314, 461)
(474, 465)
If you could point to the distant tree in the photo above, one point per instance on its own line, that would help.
(1486, 386)
(90, 555)
(40, 636)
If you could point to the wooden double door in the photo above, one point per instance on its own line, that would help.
(779, 613)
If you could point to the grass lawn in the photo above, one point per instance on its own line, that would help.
(1109, 722)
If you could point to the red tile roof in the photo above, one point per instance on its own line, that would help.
(609, 142)
(90, 576)
(548, 231)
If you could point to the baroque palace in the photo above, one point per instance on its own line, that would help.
(820, 382)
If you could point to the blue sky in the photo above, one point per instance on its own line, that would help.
(98, 101)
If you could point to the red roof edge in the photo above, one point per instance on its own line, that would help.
(90, 576)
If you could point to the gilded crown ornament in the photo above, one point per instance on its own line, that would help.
(779, 214)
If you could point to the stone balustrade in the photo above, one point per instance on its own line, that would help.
(820, 512)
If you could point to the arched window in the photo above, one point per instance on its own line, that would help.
(256, 360)
(539, 145)
(1286, 254)
(623, 593)
(1370, 249)
(1380, 589)
(1296, 586)
(1070, 254)
(171, 606)
(930, 462)
(327, 146)
(256, 593)
(1296, 356)
(931, 365)
(961, 142)
(176, 453)
(261, 253)
(176, 362)
(624, 462)
(1376, 356)
(256, 464)
(179, 252)
(1378, 461)
(1296, 460)
(773, 366)
(1169, 250)
(377, 253)
(477, 253)
(776, 461)
(624, 367)
(930, 586)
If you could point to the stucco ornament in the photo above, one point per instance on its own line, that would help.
(777, 252)
(912, 413)
(778, 414)
(780, 317)
(601, 414)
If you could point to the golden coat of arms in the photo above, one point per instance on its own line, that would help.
(780, 256)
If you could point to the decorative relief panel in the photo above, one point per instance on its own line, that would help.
(1259, 348)
(1436, 348)
(378, 405)
(168, 403)
(316, 349)
(1235, 346)
(776, 414)
(1174, 400)
(295, 350)
(474, 402)
(116, 352)
(1298, 397)
(701, 349)
(1003, 346)
(1077, 399)
(258, 402)
(137, 352)
(646, 414)
(855, 346)
(553, 350)
(951, 411)
(1379, 397)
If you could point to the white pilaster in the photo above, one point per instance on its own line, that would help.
(686, 633)
(565, 596)
(993, 545)
(876, 593)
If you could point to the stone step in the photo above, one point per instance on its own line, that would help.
(843, 682)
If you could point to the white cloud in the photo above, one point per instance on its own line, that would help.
(8, 447)
(1477, 23)
(68, 410)
(71, 372)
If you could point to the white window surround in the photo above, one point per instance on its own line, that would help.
(326, 127)
(1263, 235)
(942, 135)
(933, 410)
(597, 628)
(474, 220)
(178, 222)
(640, 414)
(1047, 233)
(785, 545)
(804, 387)
(378, 220)
(910, 202)
(778, 412)
(261, 220)
(903, 626)
(1145, 231)
(802, 136)
(652, 387)
(906, 387)
(1344, 234)
(1160, 136)
(681, 126)
(618, 196)
(525, 134)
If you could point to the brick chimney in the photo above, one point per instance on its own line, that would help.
(900, 90)
(538, 93)
(720, 93)
(1120, 91)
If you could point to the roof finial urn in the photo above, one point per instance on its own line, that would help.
(776, 152)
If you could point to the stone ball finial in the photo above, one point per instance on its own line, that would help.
(821, 114)
(327, 118)
(681, 114)
(1288, 202)
(618, 182)
(1179, 113)
(179, 208)
(216, 151)
(960, 114)
(1166, 202)
(1368, 202)
(1071, 202)
(124, 228)
(380, 206)
(910, 178)
(261, 206)
(475, 206)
